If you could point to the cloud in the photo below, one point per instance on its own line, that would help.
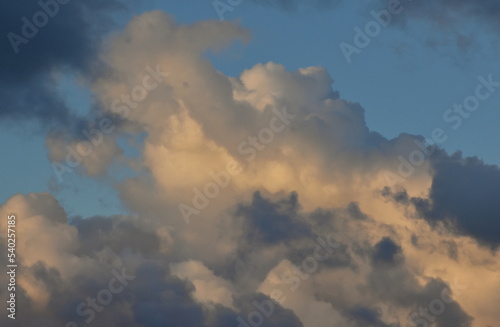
(271, 223)
(386, 252)
(55, 281)
(445, 12)
(294, 4)
(444, 22)
(463, 197)
(209, 288)
(367, 316)
(309, 214)
(39, 47)
(460, 198)
(320, 176)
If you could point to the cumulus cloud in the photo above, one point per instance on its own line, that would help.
(308, 224)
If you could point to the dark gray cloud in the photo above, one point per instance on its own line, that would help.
(363, 316)
(464, 197)
(399, 196)
(265, 223)
(444, 12)
(386, 252)
(355, 211)
(65, 40)
(279, 317)
(273, 222)
(340, 257)
(440, 12)
(164, 301)
(397, 286)
(452, 22)
(294, 4)
(117, 233)
(453, 314)
(281, 225)
(270, 222)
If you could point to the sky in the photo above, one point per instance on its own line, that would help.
(251, 162)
